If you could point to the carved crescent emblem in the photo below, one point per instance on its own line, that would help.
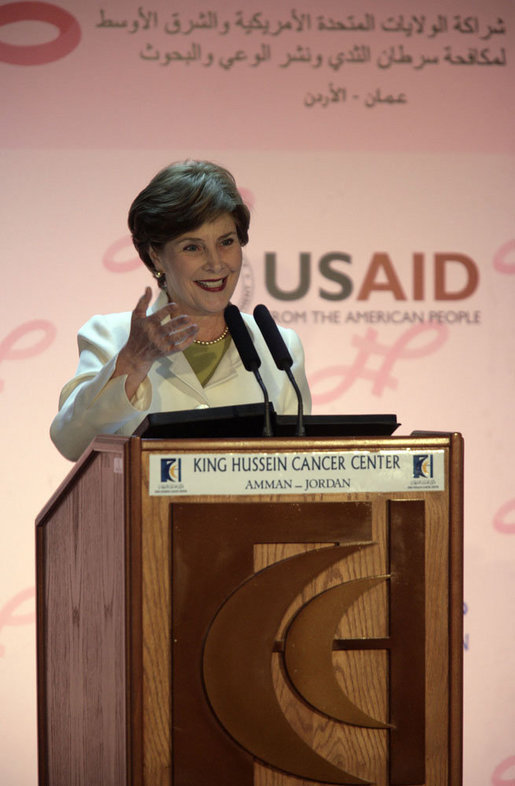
(237, 662)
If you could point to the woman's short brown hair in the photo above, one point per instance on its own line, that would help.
(180, 198)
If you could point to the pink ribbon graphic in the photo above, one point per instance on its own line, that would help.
(501, 262)
(381, 377)
(247, 196)
(501, 770)
(39, 54)
(9, 350)
(8, 616)
(110, 262)
(500, 523)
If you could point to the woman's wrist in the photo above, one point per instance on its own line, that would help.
(135, 371)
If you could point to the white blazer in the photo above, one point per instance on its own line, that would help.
(92, 403)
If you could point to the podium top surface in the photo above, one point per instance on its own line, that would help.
(247, 421)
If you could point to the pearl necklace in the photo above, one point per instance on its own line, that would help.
(214, 340)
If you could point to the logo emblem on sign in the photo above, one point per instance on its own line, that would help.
(171, 470)
(423, 466)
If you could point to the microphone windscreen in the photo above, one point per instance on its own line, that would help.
(273, 338)
(241, 338)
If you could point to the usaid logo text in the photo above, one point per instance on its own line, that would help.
(423, 466)
(171, 470)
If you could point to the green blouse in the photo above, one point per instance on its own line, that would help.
(204, 358)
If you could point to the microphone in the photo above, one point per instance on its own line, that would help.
(248, 354)
(281, 355)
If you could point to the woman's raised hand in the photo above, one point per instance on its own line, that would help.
(150, 338)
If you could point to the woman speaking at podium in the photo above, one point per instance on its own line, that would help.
(189, 226)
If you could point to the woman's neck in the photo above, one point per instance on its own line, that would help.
(210, 328)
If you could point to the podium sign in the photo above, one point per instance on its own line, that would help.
(331, 472)
(198, 626)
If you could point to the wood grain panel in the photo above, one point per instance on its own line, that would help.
(81, 571)
(156, 631)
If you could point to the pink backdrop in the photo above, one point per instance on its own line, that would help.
(376, 147)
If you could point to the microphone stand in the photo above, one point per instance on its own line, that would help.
(249, 356)
(281, 355)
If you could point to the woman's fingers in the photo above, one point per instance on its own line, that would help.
(143, 303)
(152, 337)
(169, 310)
(180, 322)
(181, 331)
(177, 329)
(178, 336)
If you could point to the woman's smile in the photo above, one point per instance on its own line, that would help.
(210, 285)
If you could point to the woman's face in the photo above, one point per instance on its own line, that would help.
(202, 267)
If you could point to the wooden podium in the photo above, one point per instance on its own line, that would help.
(253, 613)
